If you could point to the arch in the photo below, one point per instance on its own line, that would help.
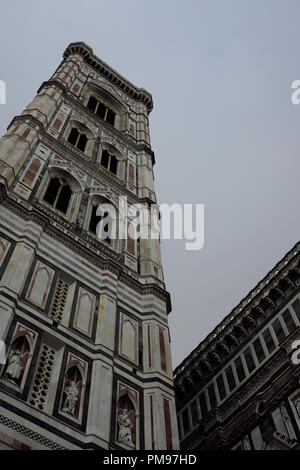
(83, 127)
(58, 194)
(66, 177)
(106, 93)
(126, 421)
(18, 355)
(72, 391)
(39, 287)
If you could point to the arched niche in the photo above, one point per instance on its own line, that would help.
(72, 393)
(17, 360)
(126, 422)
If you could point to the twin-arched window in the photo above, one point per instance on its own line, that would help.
(58, 194)
(78, 139)
(109, 161)
(101, 224)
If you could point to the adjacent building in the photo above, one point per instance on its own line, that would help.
(240, 388)
(84, 318)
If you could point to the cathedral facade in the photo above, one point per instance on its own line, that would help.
(240, 388)
(84, 318)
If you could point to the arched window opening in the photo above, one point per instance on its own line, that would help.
(105, 159)
(101, 225)
(101, 110)
(58, 195)
(109, 162)
(78, 139)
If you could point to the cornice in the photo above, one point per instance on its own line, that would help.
(86, 52)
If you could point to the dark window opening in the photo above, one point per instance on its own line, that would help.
(221, 387)
(203, 404)
(64, 199)
(101, 110)
(92, 103)
(52, 191)
(77, 139)
(110, 117)
(212, 395)
(195, 414)
(230, 378)
(82, 142)
(105, 158)
(109, 162)
(105, 221)
(113, 164)
(260, 354)
(249, 360)
(296, 307)
(269, 342)
(289, 321)
(73, 136)
(279, 332)
(239, 369)
(58, 195)
(185, 421)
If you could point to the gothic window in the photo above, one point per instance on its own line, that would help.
(101, 110)
(109, 161)
(58, 194)
(101, 225)
(78, 139)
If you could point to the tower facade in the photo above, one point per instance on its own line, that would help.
(84, 317)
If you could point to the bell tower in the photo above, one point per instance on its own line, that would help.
(84, 317)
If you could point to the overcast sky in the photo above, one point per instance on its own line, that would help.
(224, 130)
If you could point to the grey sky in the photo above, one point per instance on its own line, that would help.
(223, 128)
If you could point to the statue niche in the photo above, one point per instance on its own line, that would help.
(72, 392)
(17, 360)
(126, 422)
